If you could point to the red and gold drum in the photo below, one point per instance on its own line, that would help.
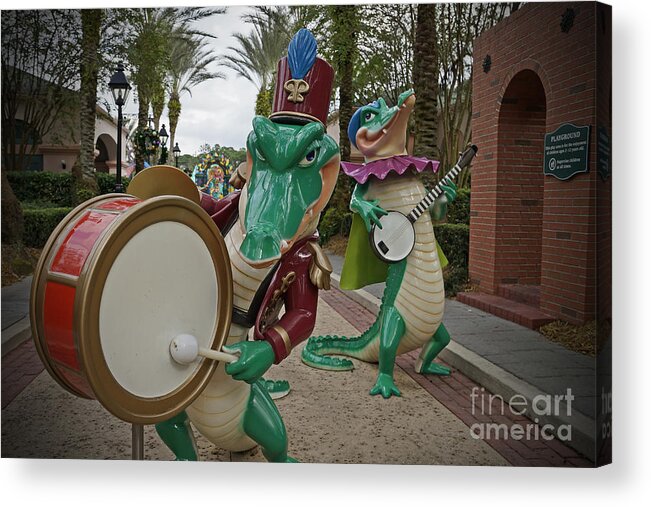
(118, 279)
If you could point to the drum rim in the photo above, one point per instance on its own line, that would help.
(117, 400)
(37, 292)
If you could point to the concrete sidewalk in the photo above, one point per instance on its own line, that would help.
(15, 314)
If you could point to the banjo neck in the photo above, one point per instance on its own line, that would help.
(431, 196)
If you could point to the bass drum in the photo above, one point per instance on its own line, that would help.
(118, 279)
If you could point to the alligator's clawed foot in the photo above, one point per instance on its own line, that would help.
(385, 386)
(291, 460)
(276, 388)
(435, 369)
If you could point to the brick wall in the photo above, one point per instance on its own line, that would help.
(526, 227)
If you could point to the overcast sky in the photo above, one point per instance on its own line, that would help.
(219, 110)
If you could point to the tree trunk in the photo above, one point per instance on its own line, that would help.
(425, 75)
(264, 100)
(345, 25)
(173, 113)
(84, 169)
(143, 114)
(12, 214)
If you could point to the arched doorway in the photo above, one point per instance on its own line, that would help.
(520, 181)
(107, 152)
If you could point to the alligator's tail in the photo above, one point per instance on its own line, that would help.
(315, 351)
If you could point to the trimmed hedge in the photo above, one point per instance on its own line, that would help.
(47, 198)
(459, 210)
(106, 183)
(454, 240)
(39, 224)
(54, 189)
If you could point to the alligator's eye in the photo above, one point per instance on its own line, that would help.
(309, 158)
(259, 156)
(369, 116)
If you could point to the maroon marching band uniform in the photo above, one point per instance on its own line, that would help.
(290, 283)
(300, 297)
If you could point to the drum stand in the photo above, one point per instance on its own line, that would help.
(184, 349)
(137, 442)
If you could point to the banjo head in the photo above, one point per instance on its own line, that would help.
(160, 268)
(395, 240)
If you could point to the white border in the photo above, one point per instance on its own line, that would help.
(627, 482)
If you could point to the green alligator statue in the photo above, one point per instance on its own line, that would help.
(412, 304)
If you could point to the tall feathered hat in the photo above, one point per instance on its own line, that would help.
(303, 83)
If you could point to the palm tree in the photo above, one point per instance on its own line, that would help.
(84, 169)
(425, 75)
(257, 54)
(152, 32)
(188, 67)
(345, 26)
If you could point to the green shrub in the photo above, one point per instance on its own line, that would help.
(46, 189)
(459, 210)
(30, 186)
(454, 240)
(334, 221)
(106, 183)
(39, 224)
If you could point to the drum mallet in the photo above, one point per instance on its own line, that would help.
(185, 349)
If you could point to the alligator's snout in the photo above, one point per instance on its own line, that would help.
(261, 243)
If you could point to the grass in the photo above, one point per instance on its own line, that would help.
(582, 339)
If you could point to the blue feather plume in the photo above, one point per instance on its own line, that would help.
(301, 53)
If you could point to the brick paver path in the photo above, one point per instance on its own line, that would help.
(454, 392)
(22, 365)
(19, 368)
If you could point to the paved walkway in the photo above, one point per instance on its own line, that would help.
(522, 352)
(15, 302)
(434, 422)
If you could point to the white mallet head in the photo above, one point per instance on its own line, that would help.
(184, 349)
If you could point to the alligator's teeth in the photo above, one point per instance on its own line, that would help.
(284, 244)
(384, 131)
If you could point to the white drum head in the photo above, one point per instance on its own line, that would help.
(161, 284)
(161, 270)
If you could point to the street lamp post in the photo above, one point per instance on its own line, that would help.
(120, 89)
(162, 134)
(177, 153)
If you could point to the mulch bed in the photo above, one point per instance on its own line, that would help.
(18, 262)
(582, 339)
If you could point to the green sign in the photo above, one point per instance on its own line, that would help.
(603, 152)
(566, 151)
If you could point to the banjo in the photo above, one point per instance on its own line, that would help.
(394, 240)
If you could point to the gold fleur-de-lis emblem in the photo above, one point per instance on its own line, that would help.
(296, 88)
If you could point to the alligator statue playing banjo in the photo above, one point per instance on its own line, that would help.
(403, 250)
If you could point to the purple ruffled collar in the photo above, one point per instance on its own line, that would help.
(380, 168)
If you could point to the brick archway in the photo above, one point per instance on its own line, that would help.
(520, 182)
(527, 228)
